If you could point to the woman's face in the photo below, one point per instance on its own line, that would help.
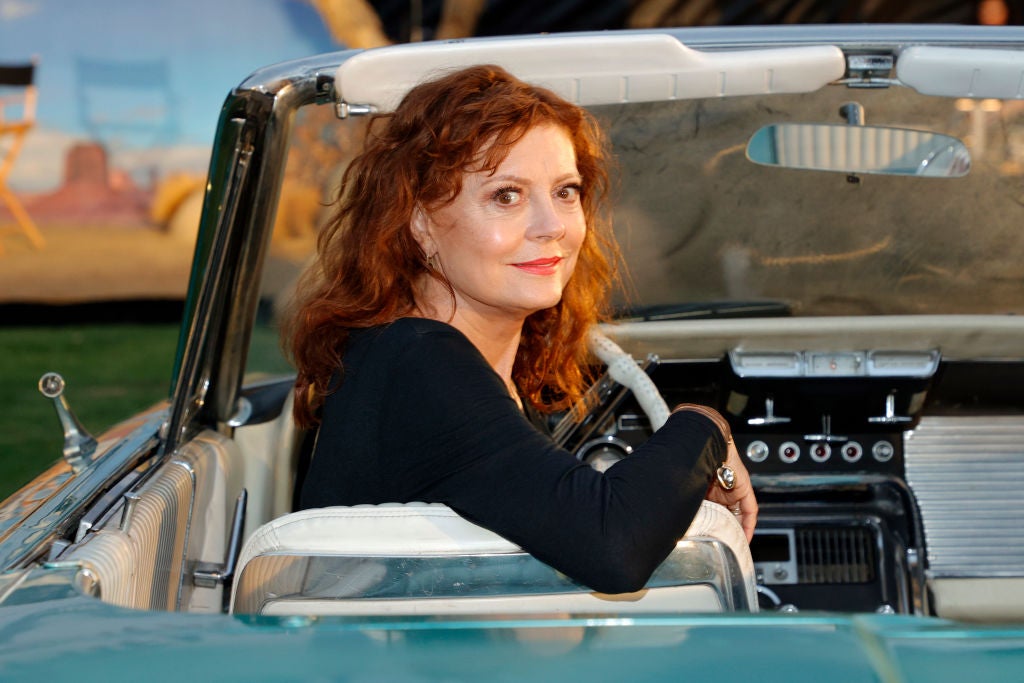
(508, 243)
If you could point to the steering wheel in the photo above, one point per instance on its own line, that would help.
(624, 370)
(580, 429)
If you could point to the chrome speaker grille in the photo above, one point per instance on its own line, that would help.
(968, 476)
(835, 554)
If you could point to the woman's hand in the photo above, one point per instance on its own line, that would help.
(740, 498)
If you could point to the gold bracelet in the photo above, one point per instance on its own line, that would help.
(711, 414)
(724, 475)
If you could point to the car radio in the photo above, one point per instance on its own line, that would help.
(774, 553)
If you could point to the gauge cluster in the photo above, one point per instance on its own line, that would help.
(877, 363)
(791, 412)
(818, 411)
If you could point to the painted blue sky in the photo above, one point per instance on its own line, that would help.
(204, 46)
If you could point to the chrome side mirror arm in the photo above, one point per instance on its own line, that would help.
(79, 444)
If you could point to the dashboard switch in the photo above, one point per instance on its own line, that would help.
(852, 451)
(882, 451)
(789, 452)
(890, 416)
(757, 451)
(770, 418)
(821, 452)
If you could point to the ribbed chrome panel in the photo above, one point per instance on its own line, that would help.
(112, 559)
(159, 529)
(142, 566)
(968, 476)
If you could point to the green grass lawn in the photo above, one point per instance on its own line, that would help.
(112, 371)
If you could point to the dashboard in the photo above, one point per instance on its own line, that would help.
(847, 449)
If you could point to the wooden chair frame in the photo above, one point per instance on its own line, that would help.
(19, 78)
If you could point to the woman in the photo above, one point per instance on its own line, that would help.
(451, 299)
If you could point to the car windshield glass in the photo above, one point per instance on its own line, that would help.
(705, 232)
(699, 222)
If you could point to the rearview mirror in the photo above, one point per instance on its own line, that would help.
(859, 149)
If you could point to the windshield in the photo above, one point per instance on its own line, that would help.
(699, 222)
(705, 232)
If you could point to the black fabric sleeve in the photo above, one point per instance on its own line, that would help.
(453, 435)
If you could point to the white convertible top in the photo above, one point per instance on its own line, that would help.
(963, 72)
(594, 69)
(646, 66)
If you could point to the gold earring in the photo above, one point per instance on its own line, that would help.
(433, 262)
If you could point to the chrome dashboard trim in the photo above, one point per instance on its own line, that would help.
(960, 337)
(839, 363)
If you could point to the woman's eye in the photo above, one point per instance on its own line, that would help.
(570, 192)
(507, 196)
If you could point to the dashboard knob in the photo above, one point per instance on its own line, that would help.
(882, 451)
(757, 451)
(820, 452)
(789, 452)
(852, 451)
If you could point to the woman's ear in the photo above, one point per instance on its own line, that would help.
(420, 224)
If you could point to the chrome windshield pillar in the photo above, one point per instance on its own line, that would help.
(246, 172)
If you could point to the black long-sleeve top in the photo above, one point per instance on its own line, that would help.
(421, 416)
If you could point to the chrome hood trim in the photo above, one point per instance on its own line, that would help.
(49, 507)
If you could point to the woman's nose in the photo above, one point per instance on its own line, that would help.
(546, 223)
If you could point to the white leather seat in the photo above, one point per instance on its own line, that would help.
(420, 558)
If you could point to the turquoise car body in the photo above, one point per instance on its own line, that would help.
(49, 630)
(53, 623)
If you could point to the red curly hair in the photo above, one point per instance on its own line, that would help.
(368, 262)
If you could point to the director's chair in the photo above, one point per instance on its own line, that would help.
(17, 117)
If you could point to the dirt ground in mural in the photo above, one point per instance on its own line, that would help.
(88, 264)
(93, 263)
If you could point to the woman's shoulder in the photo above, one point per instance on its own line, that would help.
(419, 327)
(415, 352)
(412, 333)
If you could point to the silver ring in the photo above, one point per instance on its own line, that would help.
(726, 477)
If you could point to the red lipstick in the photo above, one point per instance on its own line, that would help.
(541, 266)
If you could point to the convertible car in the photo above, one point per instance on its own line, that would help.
(823, 227)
